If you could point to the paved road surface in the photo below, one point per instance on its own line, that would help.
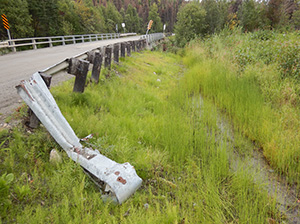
(15, 67)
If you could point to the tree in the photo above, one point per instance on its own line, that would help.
(154, 16)
(250, 15)
(191, 23)
(213, 19)
(112, 17)
(44, 14)
(132, 19)
(18, 17)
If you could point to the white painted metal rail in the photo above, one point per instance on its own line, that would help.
(51, 41)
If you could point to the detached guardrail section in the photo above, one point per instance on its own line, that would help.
(117, 181)
(60, 40)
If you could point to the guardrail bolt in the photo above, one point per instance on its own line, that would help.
(79, 68)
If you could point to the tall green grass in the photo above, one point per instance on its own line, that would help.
(257, 99)
(148, 114)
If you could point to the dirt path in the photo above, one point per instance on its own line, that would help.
(15, 67)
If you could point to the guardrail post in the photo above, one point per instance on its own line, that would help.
(107, 60)
(97, 63)
(33, 120)
(116, 52)
(63, 40)
(128, 49)
(101, 36)
(111, 36)
(137, 45)
(123, 45)
(82, 38)
(74, 41)
(90, 37)
(50, 42)
(34, 44)
(132, 43)
(79, 68)
(96, 37)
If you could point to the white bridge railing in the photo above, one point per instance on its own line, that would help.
(59, 40)
(150, 38)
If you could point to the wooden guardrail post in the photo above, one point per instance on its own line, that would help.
(95, 58)
(123, 45)
(97, 63)
(107, 60)
(137, 45)
(116, 52)
(33, 120)
(132, 43)
(128, 49)
(79, 68)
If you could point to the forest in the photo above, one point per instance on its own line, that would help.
(34, 18)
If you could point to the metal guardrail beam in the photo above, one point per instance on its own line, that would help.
(63, 65)
(121, 180)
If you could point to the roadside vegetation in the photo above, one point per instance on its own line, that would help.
(151, 114)
(254, 79)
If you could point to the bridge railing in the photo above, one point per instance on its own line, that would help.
(37, 42)
(150, 38)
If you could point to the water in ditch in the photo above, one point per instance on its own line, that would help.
(253, 161)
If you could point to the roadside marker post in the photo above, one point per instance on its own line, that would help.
(6, 26)
(149, 26)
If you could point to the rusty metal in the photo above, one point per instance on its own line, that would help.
(38, 97)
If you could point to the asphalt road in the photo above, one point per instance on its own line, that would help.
(18, 66)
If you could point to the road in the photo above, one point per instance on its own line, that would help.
(18, 66)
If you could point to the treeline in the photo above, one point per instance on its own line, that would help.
(201, 18)
(28, 18)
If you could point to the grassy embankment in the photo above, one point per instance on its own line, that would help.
(255, 79)
(150, 115)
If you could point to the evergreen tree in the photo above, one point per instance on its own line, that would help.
(112, 17)
(18, 17)
(132, 19)
(191, 23)
(154, 16)
(44, 14)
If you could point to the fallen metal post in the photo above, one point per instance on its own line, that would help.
(121, 180)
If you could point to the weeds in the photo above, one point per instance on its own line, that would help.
(148, 114)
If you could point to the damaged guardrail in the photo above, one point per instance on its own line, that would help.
(117, 181)
(120, 180)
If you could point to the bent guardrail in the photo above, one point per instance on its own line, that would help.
(120, 180)
(35, 42)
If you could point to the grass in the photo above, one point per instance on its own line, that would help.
(261, 101)
(149, 113)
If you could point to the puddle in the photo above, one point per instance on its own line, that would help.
(254, 162)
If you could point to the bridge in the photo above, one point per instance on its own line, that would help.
(21, 65)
